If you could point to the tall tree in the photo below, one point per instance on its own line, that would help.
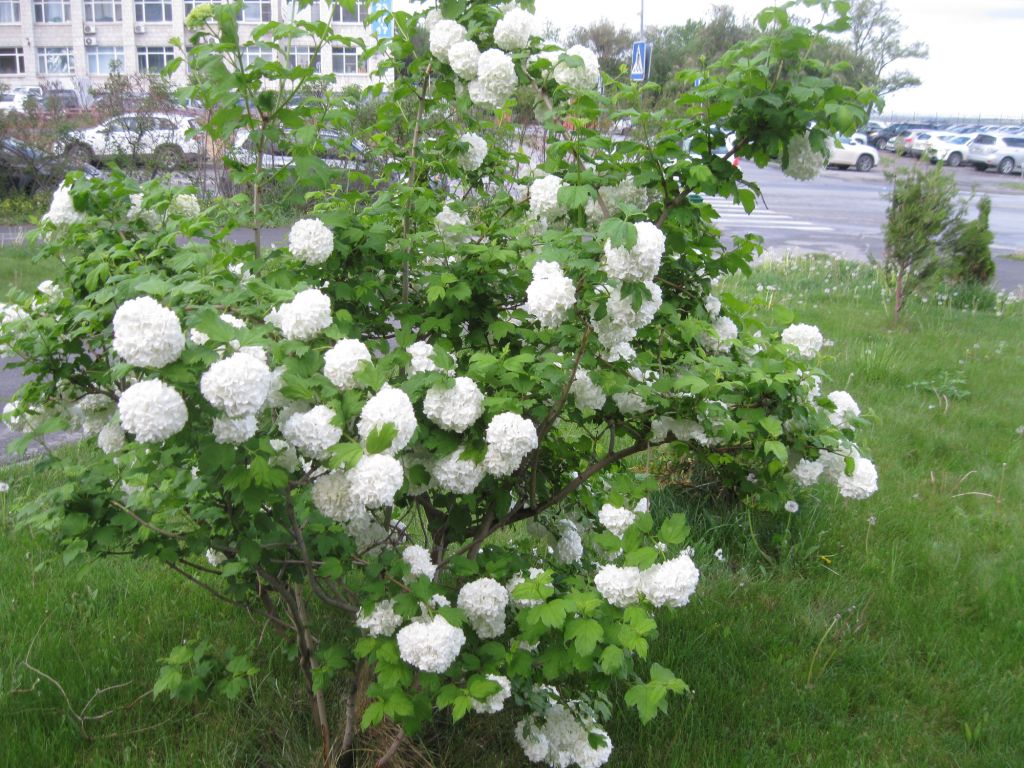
(875, 42)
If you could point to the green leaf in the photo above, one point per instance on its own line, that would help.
(647, 699)
(585, 634)
(381, 437)
(575, 197)
(612, 659)
(551, 614)
(771, 425)
(675, 529)
(777, 449)
(621, 233)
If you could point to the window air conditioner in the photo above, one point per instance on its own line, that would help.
(90, 41)
(90, 29)
(140, 29)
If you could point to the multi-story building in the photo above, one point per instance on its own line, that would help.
(76, 44)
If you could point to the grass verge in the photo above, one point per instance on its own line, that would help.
(17, 270)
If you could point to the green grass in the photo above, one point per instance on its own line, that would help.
(894, 644)
(17, 270)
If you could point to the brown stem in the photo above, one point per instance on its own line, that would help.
(392, 750)
(309, 667)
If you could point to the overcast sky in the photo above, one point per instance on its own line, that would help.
(975, 63)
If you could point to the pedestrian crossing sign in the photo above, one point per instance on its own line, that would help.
(639, 61)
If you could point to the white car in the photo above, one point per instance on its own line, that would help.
(336, 149)
(160, 136)
(847, 154)
(948, 148)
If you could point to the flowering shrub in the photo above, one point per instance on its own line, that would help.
(419, 410)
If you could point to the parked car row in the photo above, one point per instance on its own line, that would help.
(982, 146)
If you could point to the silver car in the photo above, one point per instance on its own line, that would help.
(992, 150)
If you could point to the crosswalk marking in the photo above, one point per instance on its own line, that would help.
(732, 216)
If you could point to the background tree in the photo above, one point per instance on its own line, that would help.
(970, 248)
(611, 44)
(875, 44)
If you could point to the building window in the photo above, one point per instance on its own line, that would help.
(10, 11)
(12, 61)
(255, 12)
(153, 58)
(55, 61)
(102, 11)
(253, 53)
(53, 11)
(153, 11)
(347, 61)
(190, 5)
(304, 56)
(356, 15)
(104, 59)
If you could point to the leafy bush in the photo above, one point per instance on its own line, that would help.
(970, 248)
(419, 413)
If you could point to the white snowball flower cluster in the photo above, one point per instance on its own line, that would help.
(147, 334)
(806, 338)
(234, 431)
(473, 157)
(725, 333)
(561, 740)
(495, 81)
(518, 579)
(859, 485)
(550, 295)
(544, 197)
(569, 547)
(619, 586)
(579, 77)
(62, 208)
(642, 261)
(804, 162)
(90, 413)
(447, 221)
(509, 438)
(215, 558)
(621, 322)
(430, 646)
(111, 438)
(616, 519)
(184, 206)
(496, 701)
(375, 480)
(419, 561)
(683, 429)
(152, 411)
(422, 354)
(311, 241)
(630, 403)
(671, 583)
(21, 419)
(382, 621)
(586, 393)
(515, 29)
(484, 602)
(343, 360)
(312, 432)
(463, 58)
(332, 496)
(443, 35)
(430, 19)
(238, 385)
(457, 475)
(303, 317)
(806, 473)
(618, 197)
(139, 213)
(389, 406)
(846, 408)
(456, 408)
(50, 290)
(713, 305)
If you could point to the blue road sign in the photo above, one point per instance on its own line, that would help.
(382, 28)
(638, 62)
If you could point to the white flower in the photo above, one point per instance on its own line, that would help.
(382, 621)
(630, 403)
(621, 323)
(862, 483)
(713, 305)
(619, 197)
(50, 290)
(303, 317)
(389, 406)
(4, 487)
(474, 156)
(285, 456)
(215, 558)
(332, 496)
(21, 419)
(456, 408)
(569, 548)
(670, 583)
(642, 261)
(111, 438)
(152, 411)
(509, 438)
(429, 21)
(422, 354)
(518, 579)
(725, 333)
(562, 740)
(375, 480)
(147, 334)
(311, 241)
(62, 208)
(234, 431)
(719, 555)
(90, 413)
(616, 519)
(185, 206)
(532, 740)
(484, 602)
(846, 409)
(791, 506)
(496, 701)
(807, 472)
(580, 77)
(496, 79)
(463, 58)
(343, 360)
(419, 561)
(443, 35)
(550, 295)
(514, 30)
(312, 432)
(544, 197)
(448, 219)
(430, 646)
(619, 586)
(238, 385)
(457, 475)
(586, 393)
(803, 162)
(806, 338)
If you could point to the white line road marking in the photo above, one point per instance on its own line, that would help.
(732, 216)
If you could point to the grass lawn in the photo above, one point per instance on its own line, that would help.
(17, 270)
(883, 633)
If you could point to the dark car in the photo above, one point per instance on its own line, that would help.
(26, 169)
(880, 139)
